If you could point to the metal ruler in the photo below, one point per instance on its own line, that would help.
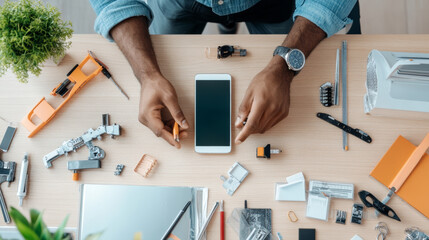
(344, 90)
(332, 189)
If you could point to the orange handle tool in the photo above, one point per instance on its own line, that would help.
(44, 111)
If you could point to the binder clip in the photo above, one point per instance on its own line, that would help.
(357, 213)
(326, 97)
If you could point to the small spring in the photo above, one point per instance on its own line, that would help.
(326, 94)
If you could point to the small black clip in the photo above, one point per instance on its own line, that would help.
(63, 88)
(381, 207)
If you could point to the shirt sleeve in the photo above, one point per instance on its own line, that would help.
(329, 15)
(111, 12)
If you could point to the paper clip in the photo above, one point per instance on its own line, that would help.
(292, 218)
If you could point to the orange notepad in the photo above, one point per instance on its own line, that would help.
(415, 189)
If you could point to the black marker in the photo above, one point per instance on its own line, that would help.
(176, 220)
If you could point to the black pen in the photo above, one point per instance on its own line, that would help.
(176, 220)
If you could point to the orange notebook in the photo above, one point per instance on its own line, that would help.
(415, 188)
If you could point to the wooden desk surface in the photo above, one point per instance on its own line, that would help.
(309, 144)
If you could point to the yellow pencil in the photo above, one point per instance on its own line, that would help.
(176, 132)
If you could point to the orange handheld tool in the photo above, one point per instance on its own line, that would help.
(43, 110)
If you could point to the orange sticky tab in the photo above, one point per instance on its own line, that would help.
(260, 152)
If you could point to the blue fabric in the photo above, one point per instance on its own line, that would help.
(329, 15)
(229, 6)
(111, 12)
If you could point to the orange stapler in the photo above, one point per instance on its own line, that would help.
(75, 80)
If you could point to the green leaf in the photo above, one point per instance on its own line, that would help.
(34, 214)
(94, 236)
(18, 217)
(39, 225)
(26, 231)
(60, 231)
(46, 235)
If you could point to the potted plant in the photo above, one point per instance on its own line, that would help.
(36, 229)
(30, 34)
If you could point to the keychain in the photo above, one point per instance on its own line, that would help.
(383, 231)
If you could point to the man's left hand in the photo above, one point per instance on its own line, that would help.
(266, 101)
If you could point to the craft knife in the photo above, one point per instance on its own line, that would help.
(347, 129)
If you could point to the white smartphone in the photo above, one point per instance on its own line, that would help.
(212, 113)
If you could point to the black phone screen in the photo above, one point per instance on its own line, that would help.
(213, 113)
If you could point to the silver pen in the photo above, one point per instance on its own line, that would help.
(203, 230)
(23, 178)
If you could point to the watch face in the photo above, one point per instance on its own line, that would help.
(296, 59)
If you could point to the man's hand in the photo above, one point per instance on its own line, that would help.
(267, 98)
(158, 94)
(266, 101)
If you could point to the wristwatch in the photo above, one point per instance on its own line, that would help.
(294, 58)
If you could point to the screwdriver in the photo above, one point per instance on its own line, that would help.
(107, 74)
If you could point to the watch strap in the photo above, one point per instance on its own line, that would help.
(282, 51)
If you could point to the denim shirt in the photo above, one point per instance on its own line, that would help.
(329, 15)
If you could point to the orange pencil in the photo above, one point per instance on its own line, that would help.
(176, 132)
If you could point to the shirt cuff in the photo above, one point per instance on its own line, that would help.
(116, 12)
(325, 17)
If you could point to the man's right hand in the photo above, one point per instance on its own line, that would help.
(158, 94)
